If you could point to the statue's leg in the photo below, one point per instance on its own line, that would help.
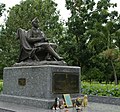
(53, 53)
(36, 58)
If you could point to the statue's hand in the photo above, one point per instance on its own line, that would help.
(42, 39)
(39, 49)
(46, 40)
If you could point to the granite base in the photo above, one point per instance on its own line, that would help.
(33, 85)
(34, 102)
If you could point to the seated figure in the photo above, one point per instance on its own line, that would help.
(35, 46)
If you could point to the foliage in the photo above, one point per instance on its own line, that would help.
(112, 56)
(93, 74)
(22, 15)
(1, 85)
(8, 51)
(117, 38)
(91, 30)
(2, 8)
(101, 89)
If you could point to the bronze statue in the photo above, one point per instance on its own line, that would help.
(34, 45)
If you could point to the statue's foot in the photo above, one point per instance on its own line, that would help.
(48, 59)
(60, 58)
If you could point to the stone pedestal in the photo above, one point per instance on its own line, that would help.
(39, 85)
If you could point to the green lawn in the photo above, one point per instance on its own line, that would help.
(100, 89)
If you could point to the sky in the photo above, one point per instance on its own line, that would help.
(61, 6)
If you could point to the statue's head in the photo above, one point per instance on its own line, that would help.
(35, 22)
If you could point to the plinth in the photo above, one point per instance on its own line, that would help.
(39, 85)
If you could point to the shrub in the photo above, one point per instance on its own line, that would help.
(1, 85)
(100, 89)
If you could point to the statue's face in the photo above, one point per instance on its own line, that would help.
(36, 24)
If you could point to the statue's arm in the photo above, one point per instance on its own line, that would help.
(45, 38)
(32, 39)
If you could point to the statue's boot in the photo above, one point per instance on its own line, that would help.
(53, 53)
(36, 58)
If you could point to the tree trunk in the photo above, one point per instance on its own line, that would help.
(114, 72)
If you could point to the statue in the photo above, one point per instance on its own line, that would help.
(34, 45)
(85, 101)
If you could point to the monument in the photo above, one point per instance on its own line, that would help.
(40, 75)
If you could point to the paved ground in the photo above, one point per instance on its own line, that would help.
(92, 107)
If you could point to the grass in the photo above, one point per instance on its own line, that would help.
(100, 89)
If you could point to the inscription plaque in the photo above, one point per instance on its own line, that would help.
(22, 81)
(65, 83)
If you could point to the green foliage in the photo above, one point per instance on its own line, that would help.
(22, 15)
(1, 85)
(92, 29)
(2, 8)
(101, 89)
(8, 50)
(93, 74)
(117, 38)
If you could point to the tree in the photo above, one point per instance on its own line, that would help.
(117, 38)
(90, 31)
(2, 8)
(76, 40)
(21, 16)
(112, 55)
(107, 34)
